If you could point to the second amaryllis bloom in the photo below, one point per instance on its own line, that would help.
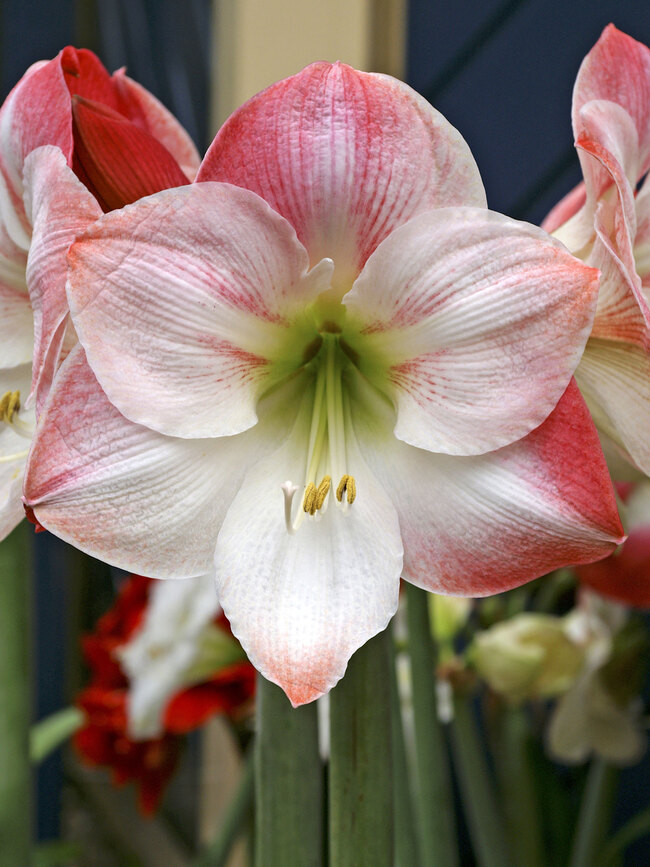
(74, 141)
(348, 372)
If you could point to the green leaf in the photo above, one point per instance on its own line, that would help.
(48, 734)
(55, 853)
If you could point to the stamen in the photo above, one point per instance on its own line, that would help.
(310, 495)
(9, 406)
(347, 486)
(321, 493)
(5, 459)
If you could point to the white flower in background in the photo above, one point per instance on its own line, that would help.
(177, 645)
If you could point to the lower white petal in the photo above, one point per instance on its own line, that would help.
(302, 603)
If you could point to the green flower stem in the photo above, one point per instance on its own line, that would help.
(15, 700)
(234, 821)
(288, 782)
(361, 778)
(595, 814)
(518, 790)
(435, 801)
(479, 797)
(406, 844)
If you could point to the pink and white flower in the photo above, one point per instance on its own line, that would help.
(606, 223)
(72, 138)
(347, 372)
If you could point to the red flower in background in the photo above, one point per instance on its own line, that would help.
(103, 741)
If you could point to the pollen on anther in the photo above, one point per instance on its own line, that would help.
(310, 495)
(347, 486)
(9, 406)
(321, 492)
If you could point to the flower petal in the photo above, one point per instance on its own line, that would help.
(346, 157)
(182, 302)
(302, 604)
(615, 380)
(13, 453)
(145, 502)
(617, 69)
(474, 526)
(58, 207)
(479, 320)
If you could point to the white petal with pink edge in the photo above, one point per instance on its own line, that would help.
(615, 380)
(346, 157)
(302, 603)
(143, 501)
(184, 302)
(478, 525)
(479, 321)
(58, 206)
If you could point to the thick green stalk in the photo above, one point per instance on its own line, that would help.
(234, 821)
(406, 844)
(435, 801)
(15, 700)
(288, 782)
(361, 778)
(479, 797)
(518, 790)
(595, 814)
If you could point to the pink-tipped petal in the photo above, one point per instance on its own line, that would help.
(158, 121)
(473, 526)
(480, 321)
(566, 209)
(617, 69)
(302, 604)
(615, 380)
(145, 502)
(183, 301)
(58, 207)
(346, 157)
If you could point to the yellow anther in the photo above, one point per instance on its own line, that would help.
(9, 406)
(310, 495)
(347, 486)
(321, 493)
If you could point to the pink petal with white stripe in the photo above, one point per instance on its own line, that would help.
(346, 157)
(479, 322)
(302, 603)
(59, 207)
(143, 501)
(183, 302)
(478, 525)
(617, 69)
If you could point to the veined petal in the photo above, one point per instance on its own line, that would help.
(479, 321)
(58, 207)
(148, 503)
(615, 380)
(617, 69)
(478, 525)
(302, 604)
(566, 209)
(183, 301)
(346, 157)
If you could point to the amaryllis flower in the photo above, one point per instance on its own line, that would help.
(74, 141)
(182, 640)
(337, 376)
(607, 224)
(106, 739)
(625, 575)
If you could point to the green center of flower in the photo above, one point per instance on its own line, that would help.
(326, 450)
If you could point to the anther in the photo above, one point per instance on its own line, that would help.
(9, 406)
(347, 486)
(321, 492)
(310, 495)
